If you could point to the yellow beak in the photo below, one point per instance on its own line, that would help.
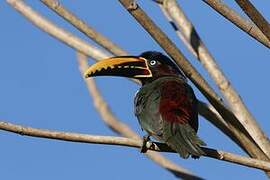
(126, 66)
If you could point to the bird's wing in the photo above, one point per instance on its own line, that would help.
(178, 108)
(147, 110)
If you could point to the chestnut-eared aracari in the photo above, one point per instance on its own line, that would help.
(165, 105)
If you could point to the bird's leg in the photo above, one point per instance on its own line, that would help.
(146, 138)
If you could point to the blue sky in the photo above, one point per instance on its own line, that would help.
(41, 87)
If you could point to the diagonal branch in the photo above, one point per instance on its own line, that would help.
(128, 142)
(55, 31)
(244, 24)
(83, 27)
(255, 16)
(188, 32)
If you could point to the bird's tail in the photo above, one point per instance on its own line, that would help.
(183, 139)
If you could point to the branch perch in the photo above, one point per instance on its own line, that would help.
(128, 142)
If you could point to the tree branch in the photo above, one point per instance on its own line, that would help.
(57, 32)
(176, 16)
(83, 27)
(255, 16)
(128, 142)
(245, 25)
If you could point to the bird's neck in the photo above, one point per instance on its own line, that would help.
(151, 80)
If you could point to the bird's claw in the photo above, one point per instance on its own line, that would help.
(146, 139)
(195, 157)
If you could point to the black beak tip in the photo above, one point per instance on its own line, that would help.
(86, 76)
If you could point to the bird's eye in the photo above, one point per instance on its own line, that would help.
(153, 62)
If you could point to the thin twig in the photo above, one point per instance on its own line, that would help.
(255, 16)
(57, 32)
(128, 142)
(189, 33)
(244, 24)
(83, 27)
(121, 128)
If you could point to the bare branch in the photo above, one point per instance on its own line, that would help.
(129, 142)
(189, 33)
(239, 21)
(255, 16)
(83, 27)
(56, 31)
(121, 128)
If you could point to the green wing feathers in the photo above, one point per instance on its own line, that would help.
(183, 139)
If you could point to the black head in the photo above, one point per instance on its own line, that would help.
(161, 65)
(146, 67)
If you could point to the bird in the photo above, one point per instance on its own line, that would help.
(165, 105)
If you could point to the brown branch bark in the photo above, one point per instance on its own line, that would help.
(189, 33)
(255, 16)
(128, 142)
(244, 24)
(57, 32)
(83, 27)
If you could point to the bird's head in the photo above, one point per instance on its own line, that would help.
(146, 67)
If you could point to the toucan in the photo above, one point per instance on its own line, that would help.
(165, 105)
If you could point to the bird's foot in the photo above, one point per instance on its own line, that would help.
(146, 139)
(195, 157)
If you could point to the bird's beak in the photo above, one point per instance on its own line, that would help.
(126, 66)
